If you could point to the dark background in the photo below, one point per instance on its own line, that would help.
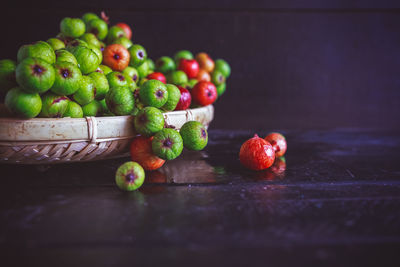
(295, 64)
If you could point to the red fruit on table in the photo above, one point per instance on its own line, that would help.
(116, 56)
(185, 100)
(256, 154)
(142, 153)
(278, 142)
(126, 29)
(204, 93)
(190, 67)
(157, 76)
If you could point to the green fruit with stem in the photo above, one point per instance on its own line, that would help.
(87, 17)
(182, 54)
(85, 94)
(117, 79)
(104, 69)
(174, 95)
(23, 104)
(40, 49)
(87, 59)
(153, 93)
(35, 75)
(131, 72)
(223, 66)
(67, 78)
(7, 74)
(165, 65)
(217, 78)
(221, 89)
(92, 109)
(63, 55)
(120, 100)
(150, 64)
(98, 27)
(149, 121)
(138, 55)
(74, 110)
(194, 135)
(72, 27)
(177, 77)
(125, 42)
(90, 39)
(129, 176)
(56, 43)
(143, 70)
(53, 106)
(114, 33)
(167, 144)
(101, 85)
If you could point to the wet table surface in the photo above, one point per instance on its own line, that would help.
(335, 200)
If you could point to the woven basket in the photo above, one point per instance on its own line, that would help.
(49, 141)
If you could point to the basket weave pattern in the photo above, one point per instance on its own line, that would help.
(49, 141)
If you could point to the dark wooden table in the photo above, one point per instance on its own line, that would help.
(336, 201)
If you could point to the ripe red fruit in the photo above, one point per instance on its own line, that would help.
(204, 93)
(157, 76)
(142, 153)
(185, 100)
(256, 154)
(126, 29)
(116, 57)
(278, 142)
(190, 67)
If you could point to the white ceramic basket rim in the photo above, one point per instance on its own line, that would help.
(94, 129)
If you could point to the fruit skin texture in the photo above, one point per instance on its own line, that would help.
(101, 86)
(204, 93)
(72, 27)
(174, 94)
(104, 69)
(53, 106)
(98, 27)
(116, 56)
(63, 55)
(217, 78)
(165, 64)
(153, 93)
(7, 74)
(223, 67)
(177, 77)
(73, 110)
(150, 64)
(87, 59)
(116, 79)
(203, 75)
(125, 42)
(185, 100)
(39, 49)
(143, 70)
(92, 109)
(90, 39)
(138, 55)
(149, 121)
(167, 144)
(22, 104)
(56, 44)
(131, 72)
(120, 100)
(142, 153)
(182, 54)
(221, 89)
(256, 154)
(114, 33)
(35, 75)
(88, 17)
(129, 176)
(126, 28)
(194, 135)
(85, 94)
(205, 62)
(67, 78)
(278, 142)
(190, 67)
(157, 76)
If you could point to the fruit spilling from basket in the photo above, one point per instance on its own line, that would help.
(91, 69)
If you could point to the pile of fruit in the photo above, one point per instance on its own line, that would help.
(91, 69)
